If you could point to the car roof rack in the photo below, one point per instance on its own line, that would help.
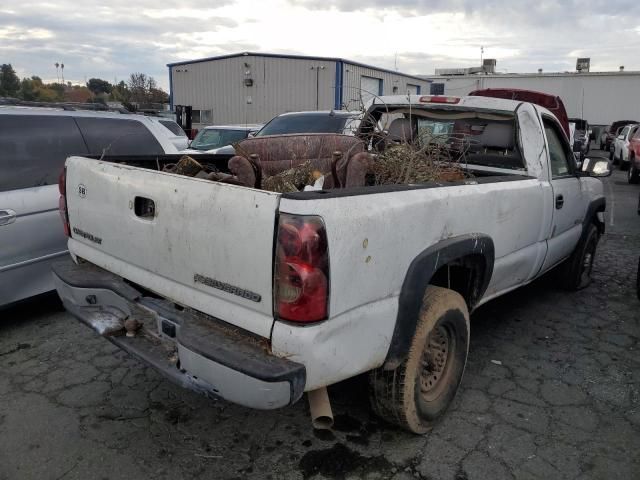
(62, 105)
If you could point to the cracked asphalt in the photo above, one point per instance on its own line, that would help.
(551, 391)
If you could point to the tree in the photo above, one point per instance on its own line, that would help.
(77, 93)
(9, 81)
(157, 95)
(120, 92)
(99, 86)
(138, 87)
(144, 89)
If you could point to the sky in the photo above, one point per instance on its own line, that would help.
(113, 39)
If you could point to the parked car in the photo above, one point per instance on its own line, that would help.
(210, 139)
(316, 121)
(633, 174)
(603, 136)
(260, 296)
(614, 131)
(582, 134)
(173, 131)
(620, 151)
(553, 103)
(34, 143)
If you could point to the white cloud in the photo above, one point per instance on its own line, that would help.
(20, 34)
(113, 40)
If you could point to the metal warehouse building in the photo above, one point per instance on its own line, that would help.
(254, 87)
(598, 97)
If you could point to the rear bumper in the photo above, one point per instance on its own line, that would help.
(197, 352)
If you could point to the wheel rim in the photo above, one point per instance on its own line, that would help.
(436, 362)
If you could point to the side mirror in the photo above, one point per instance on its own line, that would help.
(251, 134)
(596, 167)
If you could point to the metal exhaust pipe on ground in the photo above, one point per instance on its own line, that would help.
(320, 407)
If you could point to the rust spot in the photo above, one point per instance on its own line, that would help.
(365, 243)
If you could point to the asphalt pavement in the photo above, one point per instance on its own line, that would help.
(551, 391)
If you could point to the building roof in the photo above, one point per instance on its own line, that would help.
(615, 73)
(295, 57)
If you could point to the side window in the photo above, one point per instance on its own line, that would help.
(624, 132)
(33, 149)
(117, 136)
(558, 154)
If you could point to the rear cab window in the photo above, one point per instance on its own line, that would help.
(469, 137)
(34, 148)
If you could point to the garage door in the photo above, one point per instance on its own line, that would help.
(369, 88)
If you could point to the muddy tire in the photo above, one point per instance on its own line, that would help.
(575, 273)
(418, 392)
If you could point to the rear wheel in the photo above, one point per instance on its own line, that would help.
(633, 175)
(576, 271)
(417, 393)
(623, 165)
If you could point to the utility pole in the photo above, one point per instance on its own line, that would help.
(481, 54)
(57, 74)
(62, 72)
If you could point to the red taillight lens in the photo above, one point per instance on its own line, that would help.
(301, 283)
(62, 201)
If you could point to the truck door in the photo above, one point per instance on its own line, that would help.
(568, 205)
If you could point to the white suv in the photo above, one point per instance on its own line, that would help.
(34, 143)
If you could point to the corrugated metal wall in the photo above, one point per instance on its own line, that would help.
(598, 98)
(351, 98)
(279, 85)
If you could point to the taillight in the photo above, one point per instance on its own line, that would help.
(301, 277)
(439, 99)
(62, 201)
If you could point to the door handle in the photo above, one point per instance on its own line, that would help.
(7, 216)
(559, 202)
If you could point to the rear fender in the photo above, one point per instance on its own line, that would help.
(418, 277)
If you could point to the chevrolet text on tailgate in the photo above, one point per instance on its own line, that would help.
(257, 297)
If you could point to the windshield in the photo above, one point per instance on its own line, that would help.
(580, 124)
(304, 123)
(173, 127)
(211, 138)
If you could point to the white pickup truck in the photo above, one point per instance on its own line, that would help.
(257, 296)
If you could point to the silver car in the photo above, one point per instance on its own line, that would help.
(34, 143)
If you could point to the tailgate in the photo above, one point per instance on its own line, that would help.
(209, 246)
